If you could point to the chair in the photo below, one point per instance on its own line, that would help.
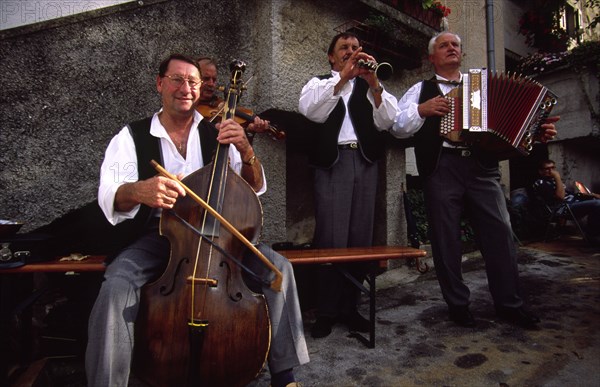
(581, 188)
(557, 217)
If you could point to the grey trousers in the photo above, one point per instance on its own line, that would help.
(465, 184)
(111, 327)
(345, 215)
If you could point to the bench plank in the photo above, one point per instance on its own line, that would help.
(89, 264)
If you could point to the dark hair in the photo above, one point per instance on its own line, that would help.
(207, 60)
(343, 35)
(164, 65)
(544, 162)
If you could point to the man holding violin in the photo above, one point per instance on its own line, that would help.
(131, 193)
(209, 104)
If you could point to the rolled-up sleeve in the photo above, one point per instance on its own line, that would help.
(317, 100)
(384, 116)
(408, 121)
(119, 167)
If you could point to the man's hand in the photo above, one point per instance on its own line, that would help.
(230, 132)
(436, 106)
(548, 129)
(259, 125)
(156, 192)
(352, 70)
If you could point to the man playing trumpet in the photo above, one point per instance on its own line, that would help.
(350, 109)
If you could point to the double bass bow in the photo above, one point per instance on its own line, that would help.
(199, 324)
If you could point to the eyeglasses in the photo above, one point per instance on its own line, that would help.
(548, 168)
(178, 80)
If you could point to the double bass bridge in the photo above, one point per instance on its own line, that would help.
(202, 281)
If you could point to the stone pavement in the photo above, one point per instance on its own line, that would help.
(416, 344)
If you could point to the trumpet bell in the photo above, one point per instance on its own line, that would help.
(384, 71)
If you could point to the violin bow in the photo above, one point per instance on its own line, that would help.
(276, 283)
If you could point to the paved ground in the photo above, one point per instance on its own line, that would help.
(416, 345)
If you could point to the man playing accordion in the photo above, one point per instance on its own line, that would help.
(457, 177)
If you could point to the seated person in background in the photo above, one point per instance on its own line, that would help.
(550, 188)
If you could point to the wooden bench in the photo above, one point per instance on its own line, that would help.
(376, 254)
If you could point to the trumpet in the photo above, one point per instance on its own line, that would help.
(383, 70)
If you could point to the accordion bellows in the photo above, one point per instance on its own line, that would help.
(497, 112)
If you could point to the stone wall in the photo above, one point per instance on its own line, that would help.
(69, 85)
(577, 145)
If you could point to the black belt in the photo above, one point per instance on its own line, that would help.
(463, 152)
(352, 145)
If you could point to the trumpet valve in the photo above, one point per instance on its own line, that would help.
(367, 64)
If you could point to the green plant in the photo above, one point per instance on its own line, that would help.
(437, 7)
(541, 26)
(380, 22)
(586, 54)
(595, 5)
(417, 204)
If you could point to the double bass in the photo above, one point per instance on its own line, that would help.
(199, 324)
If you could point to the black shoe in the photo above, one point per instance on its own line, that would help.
(462, 316)
(355, 322)
(322, 327)
(518, 316)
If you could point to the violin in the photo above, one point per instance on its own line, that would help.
(211, 110)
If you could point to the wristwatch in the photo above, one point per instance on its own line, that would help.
(377, 89)
(251, 160)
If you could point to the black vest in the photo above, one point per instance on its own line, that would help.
(324, 152)
(147, 148)
(86, 229)
(428, 142)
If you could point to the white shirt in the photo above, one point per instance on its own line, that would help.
(408, 121)
(120, 164)
(317, 101)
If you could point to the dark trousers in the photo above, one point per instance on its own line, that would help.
(345, 210)
(465, 183)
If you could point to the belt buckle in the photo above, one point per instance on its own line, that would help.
(465, 152)
(353, 145)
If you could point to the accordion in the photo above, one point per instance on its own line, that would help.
(497, 113)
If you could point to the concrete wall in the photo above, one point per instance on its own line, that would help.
(577, 145)
(69, 85)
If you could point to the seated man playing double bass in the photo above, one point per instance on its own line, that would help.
(131, 192)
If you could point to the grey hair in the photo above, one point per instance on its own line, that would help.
(436, 36)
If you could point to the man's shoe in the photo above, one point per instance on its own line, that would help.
(322, 327)
(462, 316)
(356, 322)
(518, 316)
